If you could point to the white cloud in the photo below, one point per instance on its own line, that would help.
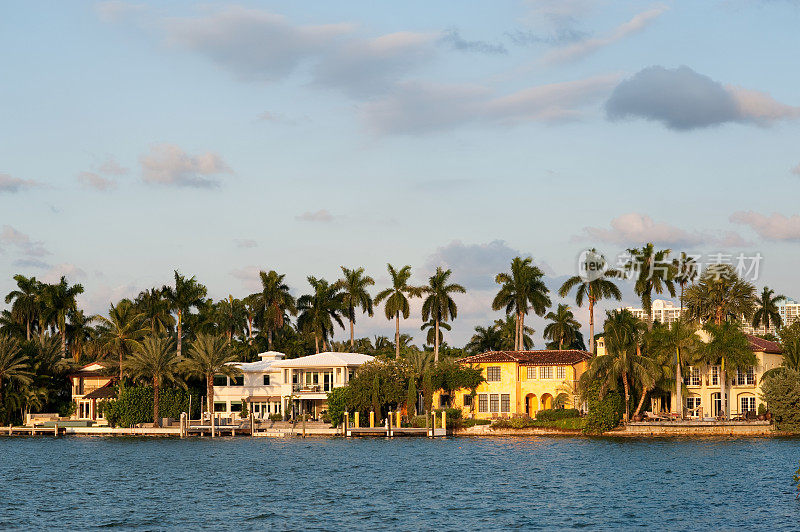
(773, 227)
(168, 164)
(14, 184)
(585, 47)
(116, 10)
(111, 167)
(249, 278)
(95, 181)
(22, 242)
(72, 272)
(321, 215)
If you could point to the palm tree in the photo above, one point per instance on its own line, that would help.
(685, 270)
(318, 311)
(231, 316)
(154, 360)
(720, 295)
(186, 293)
(485, 339)
(276, 301)
(59, 299)
(592, 289)
(430, 338)
(355, 295)
(678, 342)
(521, 289)
(210, 355)
(509, 334)
(767, 309)
(397, 299)
(563, 328)
(26, 300)
(251, 312)
(653, 272)
(79, 332)
(623, 358)
(438, 306)
(155, 310)
(121, 331)
(728, 347)
(13, 364)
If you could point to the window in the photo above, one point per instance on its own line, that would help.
(220, 380)
(546, 372)
(220, 407)
(493, 374)
(238, 380)
(747, 404)
(277, 408)
(714, 376)
(692, 403)
(256, 408)
(505, 402)
(236, 406)
(561, 372)
(266, 380)
(745, 378)
(531, 372)
(483, 403)
(467, 400)
(693, 377)
(494, 402)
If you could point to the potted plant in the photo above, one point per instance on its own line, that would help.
(762, 412)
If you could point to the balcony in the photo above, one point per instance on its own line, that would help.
(311, 388)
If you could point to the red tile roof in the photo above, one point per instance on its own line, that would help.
(104, 392)
(543, 357)
(759, 344)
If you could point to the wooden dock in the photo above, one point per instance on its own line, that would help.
(390, 430)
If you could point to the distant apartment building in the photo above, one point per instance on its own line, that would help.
(789, 311)
(663, 311)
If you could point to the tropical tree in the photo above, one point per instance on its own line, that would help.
(155, 310)
(186, 293)
(790, 341)
(120, 332)
(154, 361)
(522, 289)
(623, 359)
(727, 346)
(79, 332)
(507, 328)
(438, 305)
(355, 295)
(275, 302)
(685, 272)
(593, 288)
(679, 343)
(14, 366)
(563, 328)
(319, 311)
(59, 299)
(231, 316)
(653, 272)
(431, 338)
(251, 312)
(720, 295)
(210, 355)
(397, 299)
(767, 309)
(26, 301)
(485, 339)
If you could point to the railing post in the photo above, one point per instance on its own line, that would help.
(398, 420)
(389, 424)
(356, 423)
(55, 429)
(372, 419)
(444, 421)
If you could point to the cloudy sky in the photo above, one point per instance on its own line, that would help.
(221, 139)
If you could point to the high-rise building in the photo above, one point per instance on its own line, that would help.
(662, 311)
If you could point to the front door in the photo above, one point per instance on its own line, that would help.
(716, 404)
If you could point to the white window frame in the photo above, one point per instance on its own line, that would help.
(494, 403)
(505, 403)
(750, 399)
(483, 403)
(490, 374)
(531, 372)
(561, 372)
(546, 372)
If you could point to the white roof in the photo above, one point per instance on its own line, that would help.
(325, 360)
(271, 355)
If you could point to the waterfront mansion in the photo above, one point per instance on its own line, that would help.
(520, 383)
(275, 385)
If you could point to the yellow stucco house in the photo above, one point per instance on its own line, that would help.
(520, 383)
(90, 384)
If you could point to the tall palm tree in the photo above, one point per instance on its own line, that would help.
(231, 316)
(120, 332)
(485, 339)
(13, 364)
(319, 311)
(727, 346)
(186, 293)
(59, 299)
(155, 361)
(80, 332)
(276, 302)
(521, 289)
(155, 310)
(509, 334)
(355, 295)
(26, 301)
(592, 289)
(623, 359)
(720, 295)
(251, 312)
(438, 305)
(207, 356)
(397, 299)
(685, 270)
(563, 326)
(678, 342)
(430, 338)
(653, 273)
(767, 309)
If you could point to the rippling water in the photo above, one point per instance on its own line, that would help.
(405, 483)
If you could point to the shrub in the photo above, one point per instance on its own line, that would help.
(472, 422)
(419, 422)
(762, 409)
(276, 417)
(605, 411)
(559, 413)
(514, 423)
(781, 391)
(135, 405)
(337, 404)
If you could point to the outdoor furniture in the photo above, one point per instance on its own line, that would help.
(653, 417)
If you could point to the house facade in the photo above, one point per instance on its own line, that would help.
(520, 383)
(274, 385)
(90, 384)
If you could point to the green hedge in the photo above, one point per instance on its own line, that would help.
(514, 423)
(605, 411)
(556, 414)
(135, 405)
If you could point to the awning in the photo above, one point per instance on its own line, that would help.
(262, 398)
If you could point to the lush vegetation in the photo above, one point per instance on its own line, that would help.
(781, 391)
(134, 405)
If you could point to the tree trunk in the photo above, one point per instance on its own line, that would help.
(436, 344)
(516, 332)
(678, 383)
(397, 336)
(64, 340)
(641, 402)
(269, 339)
(316, 342)
(210, 393)
(250, 330)
(352, 335)
(28, 329)
(723, 389)
(591, 326)
(156, 411)
(180, 331)
(120, 365)
(627, 396)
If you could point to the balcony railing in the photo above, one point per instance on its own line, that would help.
(310, 388)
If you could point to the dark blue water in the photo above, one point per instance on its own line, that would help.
(405, 484)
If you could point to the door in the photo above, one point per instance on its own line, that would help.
(716, 404)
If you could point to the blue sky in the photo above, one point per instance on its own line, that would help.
(225, 138)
